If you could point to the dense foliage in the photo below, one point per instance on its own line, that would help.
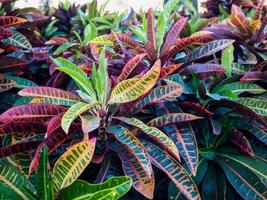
(156, 105)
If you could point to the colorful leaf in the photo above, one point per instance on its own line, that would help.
(11, 63)
(5, 83)
(159, 94)
(172, 118)
(7, 21)
(72, 163)
(31, 112)
(254, 76)
(154, 133)
(73, 112)
(18, 40)
(173, 170)
(259, 106)
(131, 89)
(90, 123)
(20, 128)
(151, 35)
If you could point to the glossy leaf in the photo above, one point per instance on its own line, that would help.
(18, 40)
(227, 59)
(73, 112)
(254, 76)
(159, 94)
(154, 133)
(173, 170)
(113, 188)
(72, 163)
(131, 89)
(101, 40)
(31, 112)
(172, 118)
(63, 48)
(151, 35)
(207, 49)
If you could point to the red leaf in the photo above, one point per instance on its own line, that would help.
(151, 36)
(5, 33)
(166, 71)
(7, 21)
(20, 128)
(195, 107)
(10, 63)
(241, 142)
(173, 34)
(31, 112)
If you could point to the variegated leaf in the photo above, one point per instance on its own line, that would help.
(7, 21)
(259, 106)
(18, 40)
(90, 123)
(131, 89)
(5, 83)
(72, 163)
(173, 170)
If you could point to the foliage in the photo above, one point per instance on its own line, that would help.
(171, 103)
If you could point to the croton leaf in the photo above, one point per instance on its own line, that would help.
(172, 118)
(52, 95)
(259, 106)
(113, 188)
(129, 67)
(73, 112)
(203, 70)
(5, 83)
(207, 49)
(11, 177)
(76, 74)
(131, 89)
(254, 76)
(53, 124)
(72, 163)
(173, 34)
(151, 35)
(101, 40)
(18, 40)
(21, 82)
(5, 33)
(159, 94)
(31, 112)
(7, 21)
(246, 183)
(90, 123)
(132, 168)
(11, 63)
(168, 70)
(154, 133)
(173, 170)
(238, 139)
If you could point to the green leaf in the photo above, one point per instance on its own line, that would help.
(76, 74)
(114, 188)
(239, 88)
(11, 177)
(90, 32)
(227, 59)
(6, 84)
(64, 47)
(44, 187)
(245, 182)
(18, 40)
(173, 170)
(7, 193)
(21, 82)
(72, 163)
(101, 40)
(259, 106)
(73, 112)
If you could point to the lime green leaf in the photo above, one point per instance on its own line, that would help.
(259, 106)
(72, 163)
(64, 47)
(113, 188)
(227, 59)
(101, 40)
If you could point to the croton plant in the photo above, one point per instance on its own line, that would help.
(156, 105)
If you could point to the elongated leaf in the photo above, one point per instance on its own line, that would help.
(227, 59)
(154, 133)
(7, 193)
(195, 107)
(6, 84)
(18, 148)
(207, 49)
(44, 187)
(243, 180)
(11, 63)
(7, 21)
(53, 124)
(31, 112)
(151, 35)
(259, 106)
(203, 70)
(113, 188)
(76, 74)
(73, 112)
(101, 40)
(238, 139)
(254, 76)
(63, 48)
(10, 176)
(173, 170)
(20, 128)
(131, 89)
(184, 138)
(171, 69)
(129, 67)
(164, 19)
(124, 136)
(72, 163)
(172, 118)
(132, 168)
(172, 36)
(21, 82)
(240, 88)
(51, 95)
(159, 94)
(18, 40)
(5, 33)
